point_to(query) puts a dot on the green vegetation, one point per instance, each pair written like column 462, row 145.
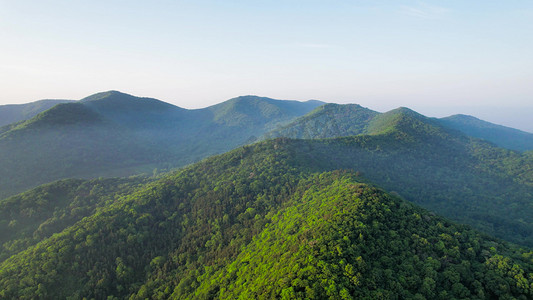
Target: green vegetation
column 465, row 179
column 283, row 218
column 334, row 120
column 345, row 240
column 32, row 216
column 258, row 221
column 327, row 121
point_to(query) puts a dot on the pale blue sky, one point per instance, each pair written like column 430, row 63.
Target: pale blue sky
column 437, row 57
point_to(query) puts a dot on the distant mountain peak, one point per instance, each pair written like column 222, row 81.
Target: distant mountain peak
column 112, row 102
column 500, row 135
column 470, row 120
column 405, row 111
column 327, row 121
column 252, row 110
column 104, row 95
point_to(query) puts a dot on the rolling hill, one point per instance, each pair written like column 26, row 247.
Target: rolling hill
column 267, row 221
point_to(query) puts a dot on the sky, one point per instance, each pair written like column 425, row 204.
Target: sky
column 436, row 57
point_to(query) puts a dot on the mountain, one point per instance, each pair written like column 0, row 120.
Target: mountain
column 12, row 113
column 338, row 120
column 263, row 221
column 329, row 120
column 134, row 112
column 502, row 136
column 37, row 214
column 116, row 134
column 463, row 178
column 68, row 140
column 342, row 120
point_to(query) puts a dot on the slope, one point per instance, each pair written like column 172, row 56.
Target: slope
column 502, row 136
column 261, row 206
column 462, row 178
column 12, row 113
column 346, row 240
column 68, row 140
column 329, row 120
column 242, row 120
column 116, row 134
column 336, row 120
column 134, row 112
column 34, row 215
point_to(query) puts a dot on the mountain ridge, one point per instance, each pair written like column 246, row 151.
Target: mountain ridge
column 502, row 136
column 12, row 113
column 337, row 120
column 136, row 134
column 259, row 221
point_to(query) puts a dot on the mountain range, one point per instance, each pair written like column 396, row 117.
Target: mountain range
column 115, row 134
column 327, row 203
column 258, row 222
column 334, row 120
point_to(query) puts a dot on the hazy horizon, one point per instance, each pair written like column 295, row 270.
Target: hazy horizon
column 438, row 58
column 514, row 117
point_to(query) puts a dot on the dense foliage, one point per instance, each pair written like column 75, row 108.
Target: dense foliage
column 277, row 219
column 465, row 179
column 258, row 221
column 327, row 121
column 334, row 120
column 32, row 216
column 344, row 240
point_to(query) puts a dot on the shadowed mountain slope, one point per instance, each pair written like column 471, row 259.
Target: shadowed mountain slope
column 69, row 140
column 116, row 134
column 12, row 113
column 37, row 214
column 466, row 179
column 502, row 136
column 263, row 222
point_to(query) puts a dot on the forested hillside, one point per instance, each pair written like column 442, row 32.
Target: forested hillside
column 32, row 216
column 336, row 120
column 260, row 222
column 115, row 134
column 465, row 179
column 327, row 121
column 333, row 216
